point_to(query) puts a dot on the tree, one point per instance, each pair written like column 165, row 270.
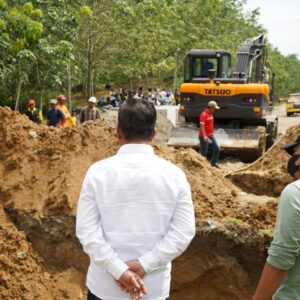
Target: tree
column 21, row 28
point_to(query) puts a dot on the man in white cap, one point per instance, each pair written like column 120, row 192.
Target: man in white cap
column 54, row 115
column 206, row 133
column 89, row 112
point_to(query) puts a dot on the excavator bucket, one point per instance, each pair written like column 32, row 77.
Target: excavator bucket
column 228, row 139
column 237, row 139
column 184, row 137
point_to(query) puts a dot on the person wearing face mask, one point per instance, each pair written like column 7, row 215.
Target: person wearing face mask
column 280, row 279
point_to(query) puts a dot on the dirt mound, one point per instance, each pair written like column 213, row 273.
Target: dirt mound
column 42, row 170
column 267, row 175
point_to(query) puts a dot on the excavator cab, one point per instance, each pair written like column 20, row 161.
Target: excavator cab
column 199, row 62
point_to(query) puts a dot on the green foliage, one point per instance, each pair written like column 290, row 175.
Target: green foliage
column 118, row 40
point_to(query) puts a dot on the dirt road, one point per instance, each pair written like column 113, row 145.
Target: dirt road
column 284, row 121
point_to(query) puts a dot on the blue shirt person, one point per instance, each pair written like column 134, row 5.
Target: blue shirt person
column 54, row 115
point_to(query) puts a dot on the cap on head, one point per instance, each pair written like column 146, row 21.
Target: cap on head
column 53, row 101
column 31, row 102
column 289, row 148
column 92, row 99
column 213, row 104
column 61, row 97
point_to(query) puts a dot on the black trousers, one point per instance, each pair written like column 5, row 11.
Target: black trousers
column 90, row 296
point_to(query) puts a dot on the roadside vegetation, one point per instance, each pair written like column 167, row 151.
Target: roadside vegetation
column 74, row 46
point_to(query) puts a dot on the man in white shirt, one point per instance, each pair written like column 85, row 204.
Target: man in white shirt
column 135, row 214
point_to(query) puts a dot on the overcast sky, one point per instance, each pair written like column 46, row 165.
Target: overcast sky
column 282, row 20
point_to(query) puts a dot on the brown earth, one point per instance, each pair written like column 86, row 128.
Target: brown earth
column 23, row 274
column 267, row 175
column 42, row 169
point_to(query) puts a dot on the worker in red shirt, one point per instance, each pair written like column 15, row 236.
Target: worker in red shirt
column 206, row 132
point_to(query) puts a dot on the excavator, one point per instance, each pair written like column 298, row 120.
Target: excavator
column 244, row 123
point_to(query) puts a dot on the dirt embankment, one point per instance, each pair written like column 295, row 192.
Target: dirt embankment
column 268, row 175
column 42, row 170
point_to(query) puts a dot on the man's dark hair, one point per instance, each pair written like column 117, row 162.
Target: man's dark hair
column 137, row 119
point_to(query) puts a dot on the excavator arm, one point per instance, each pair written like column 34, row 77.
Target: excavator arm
column 251, row 51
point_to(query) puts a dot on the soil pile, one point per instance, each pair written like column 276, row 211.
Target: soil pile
column 268, row 175
column 42, row 170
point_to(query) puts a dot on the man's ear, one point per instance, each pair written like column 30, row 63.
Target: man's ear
column 119, row 133
column 153, row 134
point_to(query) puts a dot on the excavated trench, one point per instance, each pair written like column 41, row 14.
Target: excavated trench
column 224, row 261
column 221, row 263
column 53, row 238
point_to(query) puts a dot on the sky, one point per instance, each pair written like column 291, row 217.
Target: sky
column 281, row 18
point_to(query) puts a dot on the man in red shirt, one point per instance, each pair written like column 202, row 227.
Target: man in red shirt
column 206, row 132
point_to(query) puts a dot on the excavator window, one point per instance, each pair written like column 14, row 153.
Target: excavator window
column 201, row 65
column 226, row 69
column 221, row 65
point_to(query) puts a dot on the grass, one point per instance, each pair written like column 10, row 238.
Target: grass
column 235, row 221
column 265, row 232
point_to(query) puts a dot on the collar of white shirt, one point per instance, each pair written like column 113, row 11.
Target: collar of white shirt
column 136, row 148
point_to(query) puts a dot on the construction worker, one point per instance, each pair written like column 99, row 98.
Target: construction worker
column 89, row 112
column 33, row 113
column 61, row 106
column 55, row 116
column 206, row 133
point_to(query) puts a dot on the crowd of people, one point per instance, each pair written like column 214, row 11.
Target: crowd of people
column 154, row 95
column 59, row 115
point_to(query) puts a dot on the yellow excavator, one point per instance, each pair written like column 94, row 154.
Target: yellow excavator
column 244, row 123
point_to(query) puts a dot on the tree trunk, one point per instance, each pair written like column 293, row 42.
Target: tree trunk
column 131, row 85
column 41, row 98
column 18, row 93
column 40, row 85
column 160, row 78
column 92, row 86
column 90, row 63
column 69, row 86
column 147, row 80
column 175, row 73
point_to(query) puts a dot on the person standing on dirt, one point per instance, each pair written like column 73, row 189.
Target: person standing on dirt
column 280, row 279
column 206, row 133
column 33, row 113
column 135, row 213
column 61, row 106
column 55, row 116
column 90, row 112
